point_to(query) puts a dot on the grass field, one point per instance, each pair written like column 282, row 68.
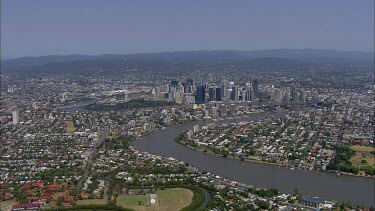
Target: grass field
column 133, row 200
column 181, row 198
column 329, row 151
column 69, row 126
column 362, row 148
column 90, row 201
column 167, row 200
column 359, row 156
column 363, row 153
column 4, row 204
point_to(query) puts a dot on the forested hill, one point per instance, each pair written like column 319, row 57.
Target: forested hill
column 270, row 59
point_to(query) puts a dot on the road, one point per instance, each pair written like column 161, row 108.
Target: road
column 344, row 120
column 106, row 197
column 207, row 199
column 95, row 150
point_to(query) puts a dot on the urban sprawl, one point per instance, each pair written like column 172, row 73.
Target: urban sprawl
column 66, row 139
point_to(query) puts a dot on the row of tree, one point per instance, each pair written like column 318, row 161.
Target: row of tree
column 135, row 103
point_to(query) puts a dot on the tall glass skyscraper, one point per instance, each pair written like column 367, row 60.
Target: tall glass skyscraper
column 256, row 87
column 200, row 97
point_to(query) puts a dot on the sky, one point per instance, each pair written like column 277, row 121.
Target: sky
column 47, row 27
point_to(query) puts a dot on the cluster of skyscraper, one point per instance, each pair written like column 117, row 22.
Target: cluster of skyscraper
column 225, row 91
column 189, row 92
column 288, row 95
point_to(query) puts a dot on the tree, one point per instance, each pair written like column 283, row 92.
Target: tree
column 115, row 195
column 262, row 204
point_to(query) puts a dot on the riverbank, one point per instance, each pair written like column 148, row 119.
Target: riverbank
column 231, row 157
column 322, row 184
column 248, row 160
column 271, row 164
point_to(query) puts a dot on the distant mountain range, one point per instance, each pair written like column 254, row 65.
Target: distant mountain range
column 274, row 58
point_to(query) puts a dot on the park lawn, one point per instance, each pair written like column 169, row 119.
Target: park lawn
column 133, row 201
column 4, row 204
column 362, row 148
column 69, row 126
column 182, row 197
column 359, row 156
column 91, row 201
column 329, row 151
column 167, row 200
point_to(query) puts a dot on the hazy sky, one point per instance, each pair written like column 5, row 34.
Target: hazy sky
column 44, row 27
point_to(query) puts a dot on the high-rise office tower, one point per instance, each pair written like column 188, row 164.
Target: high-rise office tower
column 190, row 82
column 231, row 84
column 249, row 96
column 278, row 95
column 218, row 94
column 181, row 88
column 200, row 97
column 295, row 96
column 235, row 89
column 224, row 92
column 234, row 94
column 287, row 95
column 174, row 83
column 256, row 87
column 172, row 93
column 243, row 95
column 184, row 85
column 314, row 96
column 223, row 110
column 212, row 93
column 170, row 97
column 189, row 89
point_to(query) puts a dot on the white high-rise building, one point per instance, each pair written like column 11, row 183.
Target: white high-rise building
column 295, row 96
column 15, row 117
column 287, row 95
column 189, row 99
column 214, row 113
column 303, row 96
column 126, row 96
column 10, row 89
column 206, row 113
column 279, row 95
